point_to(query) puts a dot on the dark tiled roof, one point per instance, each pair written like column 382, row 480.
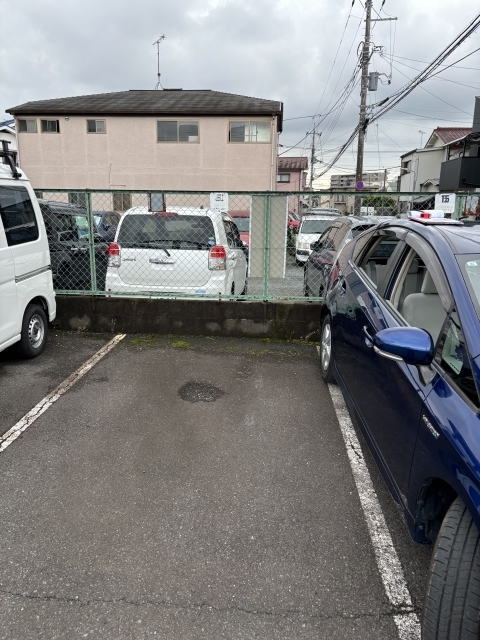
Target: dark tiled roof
column 139, row 102
column 293, row 163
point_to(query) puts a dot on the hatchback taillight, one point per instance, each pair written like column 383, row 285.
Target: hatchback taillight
column 114, row 255
column 217, row 258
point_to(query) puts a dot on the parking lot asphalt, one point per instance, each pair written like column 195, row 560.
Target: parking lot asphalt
column 186, row 488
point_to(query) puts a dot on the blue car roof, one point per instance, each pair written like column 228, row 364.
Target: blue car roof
column 460, row 239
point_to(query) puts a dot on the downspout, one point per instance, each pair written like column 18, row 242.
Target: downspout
column 273, row 168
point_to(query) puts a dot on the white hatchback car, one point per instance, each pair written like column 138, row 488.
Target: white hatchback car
column 311, row 228
column 27, row 299
column 182, row 250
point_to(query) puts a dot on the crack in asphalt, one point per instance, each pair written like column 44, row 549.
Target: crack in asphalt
column 393, row 611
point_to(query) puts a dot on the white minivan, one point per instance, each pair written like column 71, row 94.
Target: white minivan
column 183, row 250
column 27, row 299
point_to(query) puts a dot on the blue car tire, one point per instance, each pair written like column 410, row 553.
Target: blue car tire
column 452, row 599
column 326, row 344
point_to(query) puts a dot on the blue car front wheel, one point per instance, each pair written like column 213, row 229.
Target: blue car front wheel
column 452, row 599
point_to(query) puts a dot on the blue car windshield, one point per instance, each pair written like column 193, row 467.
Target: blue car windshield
column 470, row 266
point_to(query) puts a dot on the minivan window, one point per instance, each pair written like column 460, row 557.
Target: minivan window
column 167, row 230
column 18, row 215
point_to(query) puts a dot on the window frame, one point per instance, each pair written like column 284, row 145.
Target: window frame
column 280, row 175
column 178, row 123
column 45, row 131
column 437, row 359
column 123, row 195
column 249, row 141
column 26, row 120
column 396, row 256
column 96, row 120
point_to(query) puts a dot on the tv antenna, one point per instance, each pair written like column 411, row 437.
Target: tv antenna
column 157, row 42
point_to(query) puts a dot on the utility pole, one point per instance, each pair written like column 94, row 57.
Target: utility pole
column 312, row 157
column 363, row 98
column 312, row 162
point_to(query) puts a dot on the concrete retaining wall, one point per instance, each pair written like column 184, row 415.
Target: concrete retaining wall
column 281, row 320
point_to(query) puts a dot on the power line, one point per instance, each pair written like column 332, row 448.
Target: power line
column 399, row 95
column 433, row 75
column 427, row 117
column 423, row 89
column 446, row 66
column 335, row 58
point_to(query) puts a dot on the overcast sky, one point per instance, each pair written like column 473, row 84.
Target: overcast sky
column 274, row 49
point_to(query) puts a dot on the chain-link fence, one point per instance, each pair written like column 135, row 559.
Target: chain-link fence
column 222, row 246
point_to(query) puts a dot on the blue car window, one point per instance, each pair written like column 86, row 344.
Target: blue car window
column 452, row 356
column 376, row 263
column 360, row 246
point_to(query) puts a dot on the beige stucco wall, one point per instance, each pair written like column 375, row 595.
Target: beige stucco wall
column 128, row 156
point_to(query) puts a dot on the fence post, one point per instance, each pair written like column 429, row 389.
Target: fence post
column 91, row 242
column 459, row 206
column 266, row 243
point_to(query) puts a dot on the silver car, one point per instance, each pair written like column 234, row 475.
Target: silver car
column 180, row 251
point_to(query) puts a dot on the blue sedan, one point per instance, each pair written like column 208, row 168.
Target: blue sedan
column 400, row 335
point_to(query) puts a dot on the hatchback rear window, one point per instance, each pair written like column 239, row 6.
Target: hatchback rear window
column 175, row 231
column 243, row 224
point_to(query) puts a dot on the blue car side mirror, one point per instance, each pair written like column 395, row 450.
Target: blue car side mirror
column 407, row 344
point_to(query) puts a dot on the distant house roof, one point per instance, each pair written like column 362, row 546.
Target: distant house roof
column 293, row 163
column 448, row 134
column 433, row 181
column 150, row 102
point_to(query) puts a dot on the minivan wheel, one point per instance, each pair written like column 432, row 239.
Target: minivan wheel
column 34, row 332
column 326, row 344
column 451, row 608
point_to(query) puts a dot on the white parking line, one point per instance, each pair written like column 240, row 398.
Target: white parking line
column 29, row 418
column 389, row 566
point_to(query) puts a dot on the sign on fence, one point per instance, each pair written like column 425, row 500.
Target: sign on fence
column 219, row 202
column 445, row 202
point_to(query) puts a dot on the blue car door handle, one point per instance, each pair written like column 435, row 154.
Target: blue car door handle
column 368, row 337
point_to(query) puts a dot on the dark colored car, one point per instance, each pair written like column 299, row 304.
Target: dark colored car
column 107, row 223
column 325, row 251
column 242, row 220
column 67, row 232
column 401, row 336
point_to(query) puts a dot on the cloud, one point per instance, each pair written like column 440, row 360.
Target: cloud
column 274, row 49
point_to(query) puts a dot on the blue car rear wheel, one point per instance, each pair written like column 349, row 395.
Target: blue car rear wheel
column 326, row 344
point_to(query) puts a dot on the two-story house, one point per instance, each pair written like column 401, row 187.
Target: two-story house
column 169, row 139
column 292, row 176
column 420, row 168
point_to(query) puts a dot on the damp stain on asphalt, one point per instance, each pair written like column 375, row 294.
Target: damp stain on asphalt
column 200, row 392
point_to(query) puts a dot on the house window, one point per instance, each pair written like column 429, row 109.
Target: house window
column 96, row 126
column 248, row 131
column 28, row 126
column 50, row 126
column 173, row 131
column 283, row 177
column 78, row 198
column 122, row 201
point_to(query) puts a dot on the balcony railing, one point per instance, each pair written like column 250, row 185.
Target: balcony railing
column 461, row 173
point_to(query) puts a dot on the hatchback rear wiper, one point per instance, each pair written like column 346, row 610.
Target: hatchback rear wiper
column 197, row 244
